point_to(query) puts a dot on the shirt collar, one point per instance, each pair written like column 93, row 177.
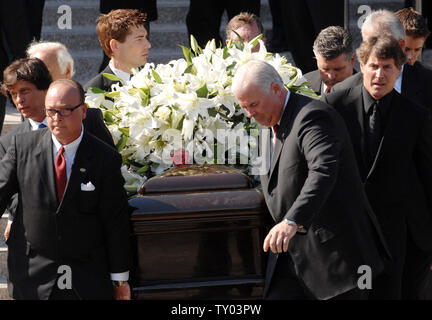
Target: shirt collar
column 120, row 73
column 398, row 83
column 35, row 124
column 385, row 102
column 285, row 104
column 70, row 147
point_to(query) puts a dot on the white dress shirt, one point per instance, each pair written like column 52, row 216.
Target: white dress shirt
column 69, row 154
column 120, row 73
column 35, row 124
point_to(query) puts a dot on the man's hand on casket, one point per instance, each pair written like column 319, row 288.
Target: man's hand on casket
column 279, row 236
column 122, row 291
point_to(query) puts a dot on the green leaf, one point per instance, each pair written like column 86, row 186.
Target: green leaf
column 194, row 45
column 125, row 131
column 97, row 90
column 121, row 143
column 143, row 170
column 108, row 116
column 113, row 94
column 225, row 52
column 111, row 77
column 157, row 78
column 202, row 92
column 191, row 69
column 187, row 54
column 254, row 41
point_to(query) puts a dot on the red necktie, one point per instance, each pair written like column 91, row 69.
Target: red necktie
column 60, row 172
column 328, row 90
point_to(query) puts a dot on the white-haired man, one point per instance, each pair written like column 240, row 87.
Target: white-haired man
column 56, row 57
column 312, row 187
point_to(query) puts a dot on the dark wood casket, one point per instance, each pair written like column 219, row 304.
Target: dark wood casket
column 198, row 234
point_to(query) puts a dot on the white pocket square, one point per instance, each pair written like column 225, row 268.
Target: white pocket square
column 87, row 187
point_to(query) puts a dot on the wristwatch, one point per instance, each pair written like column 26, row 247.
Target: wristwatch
column 300, row 228
column 117, row 284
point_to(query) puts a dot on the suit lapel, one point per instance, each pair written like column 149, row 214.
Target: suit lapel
column 78, row 173
column 45, row 162
column 284, row 129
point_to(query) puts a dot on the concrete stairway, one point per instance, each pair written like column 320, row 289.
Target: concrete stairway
column 166, row 33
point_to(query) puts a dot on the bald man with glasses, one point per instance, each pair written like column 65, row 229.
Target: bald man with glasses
column 73, row 212
column 25, row 83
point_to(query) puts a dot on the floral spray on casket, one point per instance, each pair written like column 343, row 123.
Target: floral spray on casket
column 184, row 112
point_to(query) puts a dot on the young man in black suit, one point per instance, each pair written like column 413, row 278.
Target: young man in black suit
column 392, row 139
column 72, row 219
column 324, row 227
column 334, row 53
column 124, row 40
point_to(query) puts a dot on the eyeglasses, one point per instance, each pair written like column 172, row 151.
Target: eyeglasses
column 64, row 112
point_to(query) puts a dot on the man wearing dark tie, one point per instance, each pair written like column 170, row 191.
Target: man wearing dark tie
column 324, row 227
column 392, row 139
column 72, row 219
column 334, row 53
column 414, row 81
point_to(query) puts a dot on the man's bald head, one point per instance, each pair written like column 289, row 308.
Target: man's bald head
column 65, row 109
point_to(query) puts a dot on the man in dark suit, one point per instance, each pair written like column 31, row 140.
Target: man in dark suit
column 414, row 81
column 72, row 213
column 334, row 53
column 14, row 37
column 392, row 139
column 325, row 229
column 148, row 7
column 127, row 47
column 25, row 83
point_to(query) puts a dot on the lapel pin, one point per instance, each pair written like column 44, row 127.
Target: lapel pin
column 82, row 169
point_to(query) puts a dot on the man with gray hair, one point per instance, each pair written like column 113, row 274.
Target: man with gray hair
column 415, row 81
column 334, row 53
column 55, row 56
column 324, row 228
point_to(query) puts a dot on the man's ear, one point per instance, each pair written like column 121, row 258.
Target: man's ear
column 402, row 43
column 352, row 60
column 85, row 107
column 68, row 73
column 361, row 67
column 113, row 43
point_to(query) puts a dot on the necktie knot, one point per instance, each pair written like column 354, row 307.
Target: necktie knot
column 275, row 129
column 41, row 126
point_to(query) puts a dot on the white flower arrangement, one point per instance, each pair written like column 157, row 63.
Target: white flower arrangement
column 172, row 114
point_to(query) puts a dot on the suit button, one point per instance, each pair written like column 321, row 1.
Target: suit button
column 59, row 238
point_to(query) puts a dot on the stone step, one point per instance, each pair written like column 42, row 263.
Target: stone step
column 86, row 12
column 4, row 295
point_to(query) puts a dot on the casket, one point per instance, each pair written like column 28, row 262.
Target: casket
column 198, row 234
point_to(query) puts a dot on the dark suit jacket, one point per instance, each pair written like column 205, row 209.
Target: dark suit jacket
column 399, row 184
column 93, row 123
column 100, row 81
column 416, row 84
column 314, row 77
column 314, row 181
column 88, row 231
